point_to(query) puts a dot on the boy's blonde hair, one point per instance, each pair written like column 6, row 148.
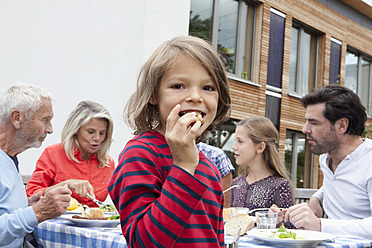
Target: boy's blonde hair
column 81, row 115
column 142, row 116
column 261, row 129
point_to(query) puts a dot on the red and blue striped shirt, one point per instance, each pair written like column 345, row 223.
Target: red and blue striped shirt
column 162, row 205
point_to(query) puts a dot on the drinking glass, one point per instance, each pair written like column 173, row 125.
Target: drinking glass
column 266, row 220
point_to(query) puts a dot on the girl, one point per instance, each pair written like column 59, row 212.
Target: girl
column 167, row 193
column 262, row 179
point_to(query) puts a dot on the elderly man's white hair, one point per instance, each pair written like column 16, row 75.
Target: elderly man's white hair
column 23, row 97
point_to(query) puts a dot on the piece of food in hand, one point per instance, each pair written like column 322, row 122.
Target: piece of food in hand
column 93, row 213
column 199, row 116
column 238, row 222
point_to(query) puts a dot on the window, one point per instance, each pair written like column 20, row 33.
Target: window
column 358, row 76
column 334, row 65
column 297, row 161
column 229, row 26
column 272, row 107
column 274, row 67
column 303, row 60
column 276, row 41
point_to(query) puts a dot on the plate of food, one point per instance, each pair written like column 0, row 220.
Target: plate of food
column 93, row 217
column 290, row 237
column 77, row 208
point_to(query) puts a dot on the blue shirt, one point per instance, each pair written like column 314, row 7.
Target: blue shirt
column 218, row 158
column 16, row 217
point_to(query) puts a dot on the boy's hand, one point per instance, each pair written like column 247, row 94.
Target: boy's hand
column 181, row 136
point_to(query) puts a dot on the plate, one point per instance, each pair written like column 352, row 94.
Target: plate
column 91, row 223
column 78, row 211
column 72, row 212
column 311, row 238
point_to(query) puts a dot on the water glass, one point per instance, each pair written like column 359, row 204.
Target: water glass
column 266, row 220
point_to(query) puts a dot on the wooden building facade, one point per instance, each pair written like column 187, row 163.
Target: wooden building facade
column 276, row 51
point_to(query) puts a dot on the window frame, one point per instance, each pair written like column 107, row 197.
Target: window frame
column 302, row 28
column 362, row 56
column 307, row 167
column 332, row 57
column 275, row 62
column 240, row 38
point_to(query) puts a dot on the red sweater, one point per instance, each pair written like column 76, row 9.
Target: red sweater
column 162, row 205
column 54, row 167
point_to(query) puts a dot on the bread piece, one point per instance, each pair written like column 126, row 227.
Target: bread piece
column 227, row 212
column 199, row 117
column 85, row 213
column 97, row 213
column 239, row 221
column 93, row 213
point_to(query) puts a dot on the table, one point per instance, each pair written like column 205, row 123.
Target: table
column 62, row 233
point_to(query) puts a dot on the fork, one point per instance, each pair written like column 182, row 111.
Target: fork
column 100, row 204
column 230, row 188
column 264, row 209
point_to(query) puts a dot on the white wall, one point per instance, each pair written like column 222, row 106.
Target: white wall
column 83, row 49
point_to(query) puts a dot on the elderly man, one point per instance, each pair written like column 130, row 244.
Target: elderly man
column 25, row 120
column 335, row 119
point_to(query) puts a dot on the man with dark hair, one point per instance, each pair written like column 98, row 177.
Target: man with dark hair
column 25, row 120
column 335, row 119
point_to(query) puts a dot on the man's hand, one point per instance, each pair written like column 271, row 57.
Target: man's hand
column 303, row 217
column 316, row 207
column 274, row 208
column 34, row 198
column 54, row 203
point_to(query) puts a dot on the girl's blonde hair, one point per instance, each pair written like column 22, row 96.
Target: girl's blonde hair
column 81, row 115
column 142, row 116
column 261, row 129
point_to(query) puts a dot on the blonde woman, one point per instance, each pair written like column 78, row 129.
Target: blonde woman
column 81, row 160
column 262, row 179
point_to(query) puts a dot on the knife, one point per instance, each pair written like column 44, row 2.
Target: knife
column 236, row 238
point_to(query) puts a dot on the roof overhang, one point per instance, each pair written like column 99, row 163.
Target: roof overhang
column 362, row 6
